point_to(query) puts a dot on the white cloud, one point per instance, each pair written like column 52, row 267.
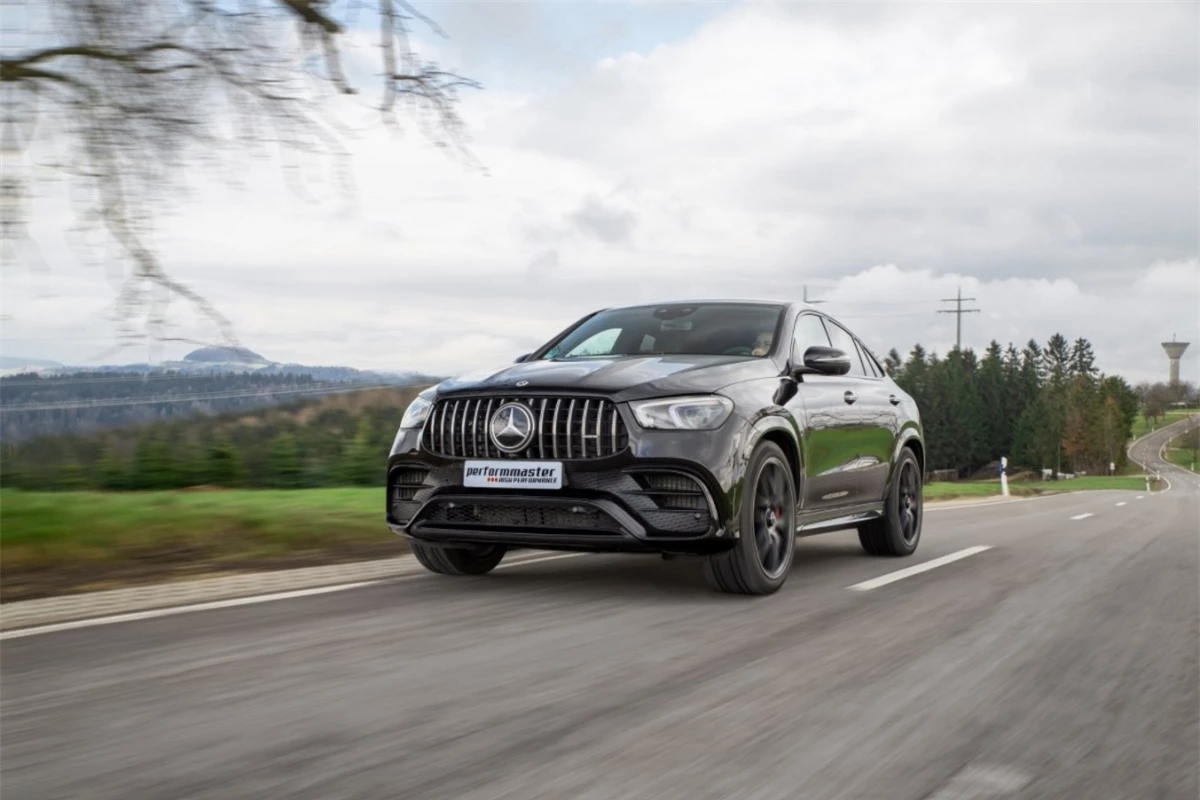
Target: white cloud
column 1042, row 156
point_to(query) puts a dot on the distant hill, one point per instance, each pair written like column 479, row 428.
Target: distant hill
column 47, row 404
column 12, row 365
column 232, row 355
column 210, row 361
column 334, row 440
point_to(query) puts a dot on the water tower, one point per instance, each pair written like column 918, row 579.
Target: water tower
column 1175, row 352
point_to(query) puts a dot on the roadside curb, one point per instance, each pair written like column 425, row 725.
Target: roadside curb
column 25, row 613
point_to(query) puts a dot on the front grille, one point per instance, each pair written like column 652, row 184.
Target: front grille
column 566, row 428
column 525, row 517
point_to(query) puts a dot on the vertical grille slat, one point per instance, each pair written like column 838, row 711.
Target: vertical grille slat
column 445, row 416
column 542, row 427
column 588, row 427
column 487, row 415
column 570, row 419
column 583, row 426
column 466, row 410
column 554, row 426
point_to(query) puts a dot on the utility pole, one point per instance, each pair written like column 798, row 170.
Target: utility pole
column 958, row 311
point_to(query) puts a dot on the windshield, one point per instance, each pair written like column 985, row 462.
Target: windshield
column 681, row 329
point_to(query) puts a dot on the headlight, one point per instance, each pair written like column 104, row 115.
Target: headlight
column 684, row 413
column 416, row 413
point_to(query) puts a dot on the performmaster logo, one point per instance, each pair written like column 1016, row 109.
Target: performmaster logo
column 519, row 475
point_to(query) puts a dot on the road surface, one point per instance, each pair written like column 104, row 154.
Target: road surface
column 1061, row 661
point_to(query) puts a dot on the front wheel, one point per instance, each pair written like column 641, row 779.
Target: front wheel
column 472, row 560
column 899, row 530
column 762, row 557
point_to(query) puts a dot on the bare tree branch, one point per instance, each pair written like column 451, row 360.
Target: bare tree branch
column 138, row 91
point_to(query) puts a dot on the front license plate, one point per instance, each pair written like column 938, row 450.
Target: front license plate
column 513, row 474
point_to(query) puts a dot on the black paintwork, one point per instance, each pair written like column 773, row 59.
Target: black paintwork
column 843, row 434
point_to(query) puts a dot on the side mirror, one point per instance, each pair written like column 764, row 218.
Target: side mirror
column 522, row 358
column 823, row 361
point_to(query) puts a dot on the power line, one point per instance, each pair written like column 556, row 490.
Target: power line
column 185, row 398
column 958, row 312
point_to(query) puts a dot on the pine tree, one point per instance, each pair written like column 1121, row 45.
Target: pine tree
column 893, row 363
column 995, row 423
column 111, row 472
column 285, row 466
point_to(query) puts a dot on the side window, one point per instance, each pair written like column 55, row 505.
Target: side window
column 845, row 342
column 810, row 332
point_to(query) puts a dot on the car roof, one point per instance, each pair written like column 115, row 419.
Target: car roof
column 740, row 301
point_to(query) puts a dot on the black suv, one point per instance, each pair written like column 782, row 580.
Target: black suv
column 715, row 428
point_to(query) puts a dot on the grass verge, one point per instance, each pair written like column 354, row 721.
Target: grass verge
column 950, row 491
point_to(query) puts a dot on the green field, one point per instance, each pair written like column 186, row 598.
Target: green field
column 946, row 491
column 1141, row 425
column 55, row 542
column 1180, row 452
column 50, row 541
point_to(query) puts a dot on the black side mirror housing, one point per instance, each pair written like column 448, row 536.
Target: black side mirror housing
column 823, row 361
column 522, row 358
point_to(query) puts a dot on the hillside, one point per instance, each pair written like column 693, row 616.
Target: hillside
column 335, row 440
column 36, row 405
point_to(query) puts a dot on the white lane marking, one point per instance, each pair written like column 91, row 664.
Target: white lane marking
column 908, row 572
column 233, row 602
column 983, row 782
column 1083, row 516
column 1140, row 497
column 1121, row 503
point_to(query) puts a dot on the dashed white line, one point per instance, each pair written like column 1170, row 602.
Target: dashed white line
column 1121, row 503
column 1083, row 516
column 1140, row 497
column 908, row 572
column 233, row 602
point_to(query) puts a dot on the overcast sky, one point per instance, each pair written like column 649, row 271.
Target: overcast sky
column 1042, row 157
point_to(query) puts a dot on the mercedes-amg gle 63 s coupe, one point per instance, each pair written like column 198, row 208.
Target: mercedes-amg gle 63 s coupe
column 717, row 429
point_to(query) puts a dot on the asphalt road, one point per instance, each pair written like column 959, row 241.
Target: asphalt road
column 1060, row 663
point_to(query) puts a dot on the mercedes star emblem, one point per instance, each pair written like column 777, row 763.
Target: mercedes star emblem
column 511, row 427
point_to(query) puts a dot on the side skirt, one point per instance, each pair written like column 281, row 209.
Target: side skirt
column 811, row 524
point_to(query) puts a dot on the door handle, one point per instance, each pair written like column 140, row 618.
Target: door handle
column 894, row 400
column 850, row 396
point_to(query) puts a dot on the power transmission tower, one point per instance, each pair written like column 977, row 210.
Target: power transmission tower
column 958, row 311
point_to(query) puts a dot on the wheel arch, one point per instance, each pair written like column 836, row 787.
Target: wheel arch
column 909, row 439
column 780, row 431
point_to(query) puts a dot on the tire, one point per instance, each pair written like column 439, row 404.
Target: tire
column 898, row 532
column 767, row 526
column 476, row 560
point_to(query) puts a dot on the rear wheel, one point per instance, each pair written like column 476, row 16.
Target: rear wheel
column 898, row 532
column 762, row 557
column 466, row 560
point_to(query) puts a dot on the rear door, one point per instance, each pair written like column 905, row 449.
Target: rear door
column 876, row 419
column 828, row 423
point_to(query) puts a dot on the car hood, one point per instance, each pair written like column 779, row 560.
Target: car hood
column 622, row 377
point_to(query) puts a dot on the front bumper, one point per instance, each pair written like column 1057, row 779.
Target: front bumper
column 611, row 504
